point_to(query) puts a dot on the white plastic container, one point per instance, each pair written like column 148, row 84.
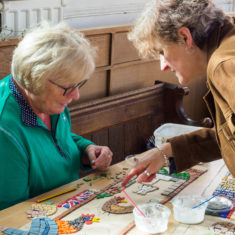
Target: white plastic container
column 169, row 130
column 156, row 219
column 183, row 212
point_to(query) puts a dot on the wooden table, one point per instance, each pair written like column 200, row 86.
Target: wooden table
column 111, row 224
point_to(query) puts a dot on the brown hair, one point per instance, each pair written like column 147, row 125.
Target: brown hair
column 161, row 19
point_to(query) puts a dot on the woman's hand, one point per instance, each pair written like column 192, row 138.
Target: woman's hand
column 147, row 167
column 100, row 156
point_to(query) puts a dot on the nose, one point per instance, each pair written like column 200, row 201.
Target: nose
column 163, row 65
column 75, row 95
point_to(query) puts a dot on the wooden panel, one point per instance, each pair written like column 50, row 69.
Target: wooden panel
column 123, row 49
column 95, row 88
column 136, row 134
column 106, row 29
column 5, row 60
column 100, row 137
column 117, row 142
column 158, row 120
column 103, row 44
column 132, row 77
column 115, row 110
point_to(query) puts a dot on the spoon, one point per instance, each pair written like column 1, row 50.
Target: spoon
column 209, row 199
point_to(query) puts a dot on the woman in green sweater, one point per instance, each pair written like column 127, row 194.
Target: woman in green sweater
column 38, row 152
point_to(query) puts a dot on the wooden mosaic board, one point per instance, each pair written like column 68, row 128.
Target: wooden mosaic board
column 110, row 221
column 113, row 224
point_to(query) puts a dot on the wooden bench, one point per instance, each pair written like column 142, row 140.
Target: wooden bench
column 125, row 122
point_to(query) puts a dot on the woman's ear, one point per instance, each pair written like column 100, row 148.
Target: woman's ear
column 185, row 36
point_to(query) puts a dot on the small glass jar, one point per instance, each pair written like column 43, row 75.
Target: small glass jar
column 155, row 220
column 183, row 212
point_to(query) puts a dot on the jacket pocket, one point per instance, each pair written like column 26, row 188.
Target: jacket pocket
column 231, row 122
column 226, row 136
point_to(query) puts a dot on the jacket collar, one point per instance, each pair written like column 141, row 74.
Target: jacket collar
column 216, row 37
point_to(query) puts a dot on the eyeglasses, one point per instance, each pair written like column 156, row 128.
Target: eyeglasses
column 69, row 90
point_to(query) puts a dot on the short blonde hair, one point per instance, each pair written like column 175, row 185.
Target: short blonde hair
column 58, row 53
column 161, row 19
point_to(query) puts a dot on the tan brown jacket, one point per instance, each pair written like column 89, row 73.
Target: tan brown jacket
column 210, row 144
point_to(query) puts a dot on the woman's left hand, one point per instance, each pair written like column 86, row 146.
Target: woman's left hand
column 100, row 156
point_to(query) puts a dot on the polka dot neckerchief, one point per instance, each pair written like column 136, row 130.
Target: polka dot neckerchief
column 28, row 116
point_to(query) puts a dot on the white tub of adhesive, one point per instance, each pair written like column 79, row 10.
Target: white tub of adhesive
column 183, row 212
column 156, row 219
column 169, row 130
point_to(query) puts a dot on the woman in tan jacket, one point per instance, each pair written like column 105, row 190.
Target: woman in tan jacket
column 194, row 39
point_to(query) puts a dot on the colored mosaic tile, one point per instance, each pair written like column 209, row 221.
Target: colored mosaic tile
column 39, row 226
column 39, row 210
column 77, row 199
column 163, row 171
column 181, row 175
column 73, row 226
column 87, row 179
column 112, row 206
column 110, row 192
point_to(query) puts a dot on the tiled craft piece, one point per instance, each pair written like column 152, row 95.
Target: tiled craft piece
column 77, row 199
column 228, row 185
column 224, row 228
column 113, row 206
column 39, row 210
column 39, row 226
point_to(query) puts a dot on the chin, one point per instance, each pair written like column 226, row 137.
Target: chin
column 57, row 111
column 60, row 111
column 182, row 80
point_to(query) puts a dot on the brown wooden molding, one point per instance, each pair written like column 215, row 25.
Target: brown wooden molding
column 175, row 94
column 110, row 111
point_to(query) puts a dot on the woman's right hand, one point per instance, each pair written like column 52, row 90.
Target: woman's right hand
column 147, row 167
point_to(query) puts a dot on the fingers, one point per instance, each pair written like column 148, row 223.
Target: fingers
column 132, row 173
column 144, row 174
column 104, row 158
column 143, row 177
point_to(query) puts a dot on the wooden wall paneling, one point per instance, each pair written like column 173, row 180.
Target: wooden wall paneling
column 132, row 144
column 174, row 110
column 100, row 137
column 106, row 29
column 102, row 44
column 129, row 77
column 158, row 120
column 6, row 50
column 95, row 88
column 117, row 142
column 146, row 128
column 115, row 110
column 137, row 133
column 109, row 70
column 123, row 49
